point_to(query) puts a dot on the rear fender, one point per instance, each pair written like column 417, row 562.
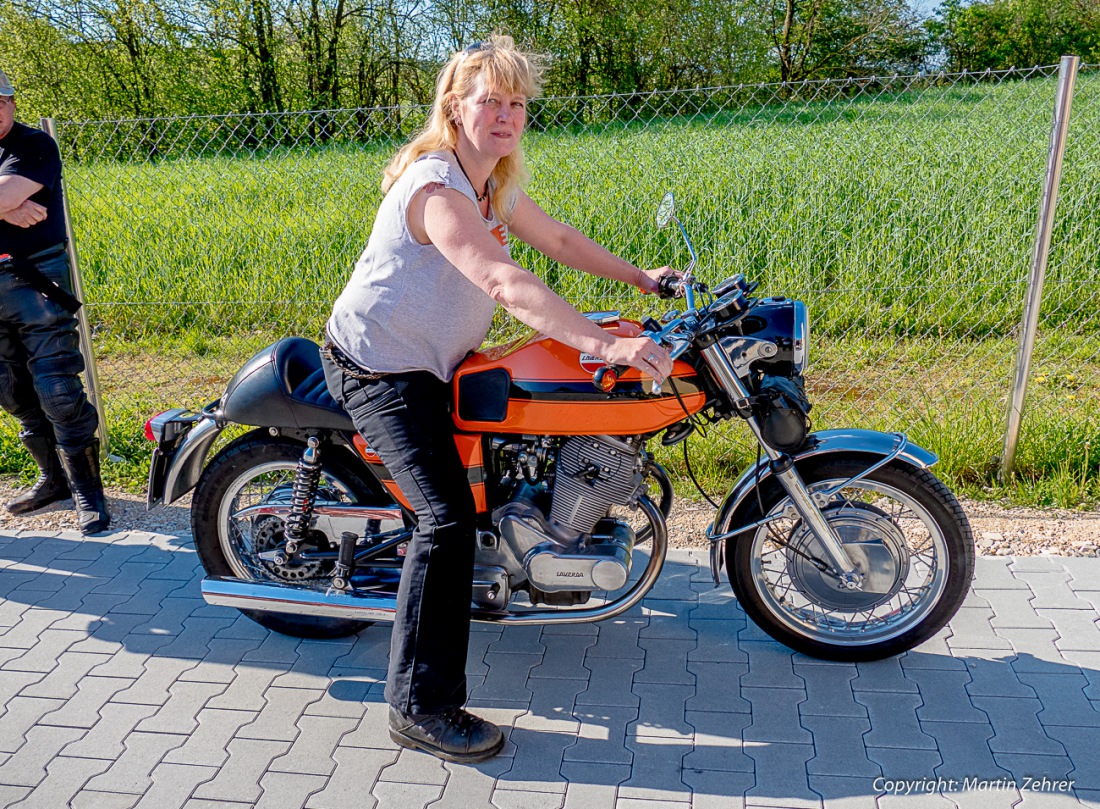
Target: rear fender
column 878, row 448
column 186, row 464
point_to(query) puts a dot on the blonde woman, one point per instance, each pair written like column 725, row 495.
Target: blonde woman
column 421, row 297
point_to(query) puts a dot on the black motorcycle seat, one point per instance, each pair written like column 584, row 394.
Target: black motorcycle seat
column 283, row 385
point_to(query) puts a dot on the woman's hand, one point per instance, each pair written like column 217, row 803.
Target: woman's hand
column 649, row 279
column 641, row 353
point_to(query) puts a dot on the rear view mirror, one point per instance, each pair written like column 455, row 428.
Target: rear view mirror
column 665, row 210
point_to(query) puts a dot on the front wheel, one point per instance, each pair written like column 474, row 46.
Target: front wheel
column 258, row 469
column 903, row 529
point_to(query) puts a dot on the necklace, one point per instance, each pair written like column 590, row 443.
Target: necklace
column 480, row 197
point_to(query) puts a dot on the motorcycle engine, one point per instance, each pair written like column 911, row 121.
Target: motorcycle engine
column 593, row 474
column 576, row 548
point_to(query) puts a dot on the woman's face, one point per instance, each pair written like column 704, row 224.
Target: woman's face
column 491, row 121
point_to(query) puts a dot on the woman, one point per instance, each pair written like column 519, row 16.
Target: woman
column 421, row 297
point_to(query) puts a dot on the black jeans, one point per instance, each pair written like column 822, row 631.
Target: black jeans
column 40, row 361
column 406, row 419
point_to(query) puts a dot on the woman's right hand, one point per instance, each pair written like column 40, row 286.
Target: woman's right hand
column 641, row 353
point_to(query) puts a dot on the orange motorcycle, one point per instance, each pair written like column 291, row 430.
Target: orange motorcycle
column 839, row 543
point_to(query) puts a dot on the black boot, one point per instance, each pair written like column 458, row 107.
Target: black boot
column 51, row 485
column 452, row 736
column 82, row 468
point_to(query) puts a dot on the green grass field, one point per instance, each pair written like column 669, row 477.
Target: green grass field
column 906, row 223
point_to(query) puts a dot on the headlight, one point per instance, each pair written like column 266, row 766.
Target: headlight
column 786, row 324
column 801, row 347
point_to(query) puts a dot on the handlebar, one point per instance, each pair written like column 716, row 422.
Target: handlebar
column 679, row 331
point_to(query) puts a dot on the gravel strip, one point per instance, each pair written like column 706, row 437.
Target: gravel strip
column 998, row 531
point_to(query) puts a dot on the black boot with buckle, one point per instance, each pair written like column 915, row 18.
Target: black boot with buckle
column 51, row 485
column 456, row 735
column 82, row 469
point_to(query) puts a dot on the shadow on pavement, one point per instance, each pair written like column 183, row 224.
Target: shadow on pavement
column 677, row 702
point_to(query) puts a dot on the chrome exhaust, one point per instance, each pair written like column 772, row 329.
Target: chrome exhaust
column 269, row 596
column 298, row 599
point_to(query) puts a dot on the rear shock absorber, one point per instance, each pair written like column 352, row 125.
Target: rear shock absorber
column 302, row 498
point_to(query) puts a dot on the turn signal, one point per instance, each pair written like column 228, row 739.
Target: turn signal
column 605, row 379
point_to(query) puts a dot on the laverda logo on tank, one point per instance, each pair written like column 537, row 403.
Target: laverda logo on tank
column 591, row 363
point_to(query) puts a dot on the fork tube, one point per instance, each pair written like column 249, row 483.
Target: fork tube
column 783, row 468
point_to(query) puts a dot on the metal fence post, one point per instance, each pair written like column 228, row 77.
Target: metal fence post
column 91, row 374
column 1067, row 77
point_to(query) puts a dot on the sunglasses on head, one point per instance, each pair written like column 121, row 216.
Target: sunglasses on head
column 477, row 46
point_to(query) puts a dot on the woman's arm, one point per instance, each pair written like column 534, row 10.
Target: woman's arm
column 452, row 224
column 567, row 245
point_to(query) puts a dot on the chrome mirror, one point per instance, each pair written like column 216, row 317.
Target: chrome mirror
column 665, row 210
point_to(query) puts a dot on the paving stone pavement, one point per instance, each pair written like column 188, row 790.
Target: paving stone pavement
column 120, row 687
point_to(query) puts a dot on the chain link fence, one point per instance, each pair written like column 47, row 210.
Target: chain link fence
column 902, row 209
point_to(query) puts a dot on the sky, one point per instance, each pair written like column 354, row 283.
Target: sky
column 924, row 7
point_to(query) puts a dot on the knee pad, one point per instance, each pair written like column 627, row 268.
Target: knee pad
column 62, row 397
column 59, row 355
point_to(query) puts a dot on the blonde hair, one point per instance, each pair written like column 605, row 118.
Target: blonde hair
column 506, row 70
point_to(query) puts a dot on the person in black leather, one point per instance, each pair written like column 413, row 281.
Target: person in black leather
column 40, row 359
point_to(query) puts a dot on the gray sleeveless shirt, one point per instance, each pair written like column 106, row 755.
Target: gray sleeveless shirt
column 406, row 308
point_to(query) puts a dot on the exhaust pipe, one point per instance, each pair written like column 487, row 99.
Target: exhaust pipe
column 268, row 596
column 298, row 599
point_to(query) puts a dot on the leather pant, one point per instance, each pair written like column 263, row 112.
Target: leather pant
column 40, row 361
column 406, row 419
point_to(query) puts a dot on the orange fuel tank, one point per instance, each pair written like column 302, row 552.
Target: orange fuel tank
column 538, row 386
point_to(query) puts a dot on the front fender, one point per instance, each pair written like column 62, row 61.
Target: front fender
column 187, row 462
column 874, row 445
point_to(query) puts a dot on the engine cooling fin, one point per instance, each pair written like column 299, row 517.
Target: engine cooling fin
column 593, row 473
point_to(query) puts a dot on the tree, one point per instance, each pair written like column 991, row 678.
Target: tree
column 842, row 38
column 247, row 32
column 998, row 34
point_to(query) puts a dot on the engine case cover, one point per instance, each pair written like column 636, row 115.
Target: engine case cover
column 491, row 589
column 603, row 565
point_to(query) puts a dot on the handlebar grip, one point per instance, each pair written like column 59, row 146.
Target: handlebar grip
column 670, row 286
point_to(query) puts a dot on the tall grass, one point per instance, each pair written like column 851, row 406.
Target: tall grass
column 905, row 221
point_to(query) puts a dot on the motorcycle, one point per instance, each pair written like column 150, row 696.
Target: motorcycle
column 840, row 544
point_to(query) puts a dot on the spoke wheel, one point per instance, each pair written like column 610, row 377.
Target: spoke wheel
column 903, row 530
column 258, row 470
column 243, row 538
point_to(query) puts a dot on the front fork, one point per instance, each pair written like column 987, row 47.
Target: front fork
column 783, row 468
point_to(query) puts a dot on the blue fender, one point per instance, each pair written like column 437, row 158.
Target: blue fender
column 875, row 446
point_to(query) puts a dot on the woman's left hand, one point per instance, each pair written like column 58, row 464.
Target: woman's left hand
column 648, row 286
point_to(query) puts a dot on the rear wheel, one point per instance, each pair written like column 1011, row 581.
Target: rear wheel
column 903, row 529
column 258, row 469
